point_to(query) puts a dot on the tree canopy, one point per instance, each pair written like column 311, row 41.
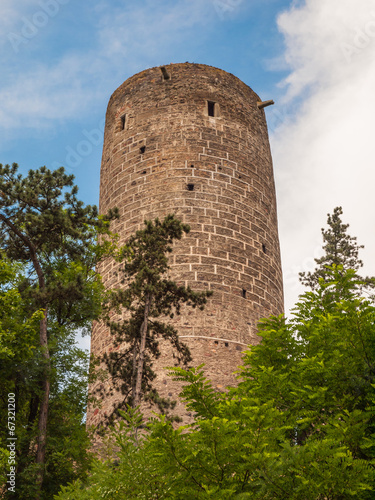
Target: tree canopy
column 300, row 424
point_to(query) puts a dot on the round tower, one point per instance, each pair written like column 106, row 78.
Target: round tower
column 192, row 140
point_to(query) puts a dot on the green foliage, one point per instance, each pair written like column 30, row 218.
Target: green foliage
column 20, row 371
column 18, row 332
column 148, row 298
column 39, row 204
column 18, row 342
column 300, row 424
column 45, row 226
column 52, row 237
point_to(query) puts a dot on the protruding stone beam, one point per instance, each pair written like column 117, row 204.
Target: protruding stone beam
column 264, row 104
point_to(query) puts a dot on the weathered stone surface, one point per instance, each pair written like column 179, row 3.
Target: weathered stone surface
column 214, row 173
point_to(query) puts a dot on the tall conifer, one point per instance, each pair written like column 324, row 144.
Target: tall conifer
column 149, row 297
column 340, row 249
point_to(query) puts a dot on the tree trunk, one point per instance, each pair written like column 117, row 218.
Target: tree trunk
column 25, row 449
column 134, row 371
column 144, row 327
column 43, row 338
column 43, row 410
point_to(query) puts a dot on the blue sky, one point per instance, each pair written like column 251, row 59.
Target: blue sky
column 62, row 59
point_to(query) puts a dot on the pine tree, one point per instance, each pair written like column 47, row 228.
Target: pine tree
column 340, row 249
column 147, row 296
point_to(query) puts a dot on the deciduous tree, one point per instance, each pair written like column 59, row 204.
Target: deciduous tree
column 45, row 226
column 300, row 425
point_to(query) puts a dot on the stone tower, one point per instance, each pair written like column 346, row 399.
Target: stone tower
column 192, row 140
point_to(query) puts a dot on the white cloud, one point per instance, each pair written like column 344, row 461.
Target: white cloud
column 21, row 21
column 324, row 155
column 123, row 42
column 45, row 93
column 325, row 41
column 11, row 12
column 34, row 92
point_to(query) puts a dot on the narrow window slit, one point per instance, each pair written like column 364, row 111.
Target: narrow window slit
column 142, row 149
column 244, row 293
column 211, row 108
column 264, row 248
column 165, row 73
column 190, row 187
column 122, row 122
column 226, row 344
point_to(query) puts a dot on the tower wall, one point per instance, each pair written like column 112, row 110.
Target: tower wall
column 163, row 154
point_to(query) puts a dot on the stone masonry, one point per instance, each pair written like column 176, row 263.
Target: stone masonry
column 191, row 139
